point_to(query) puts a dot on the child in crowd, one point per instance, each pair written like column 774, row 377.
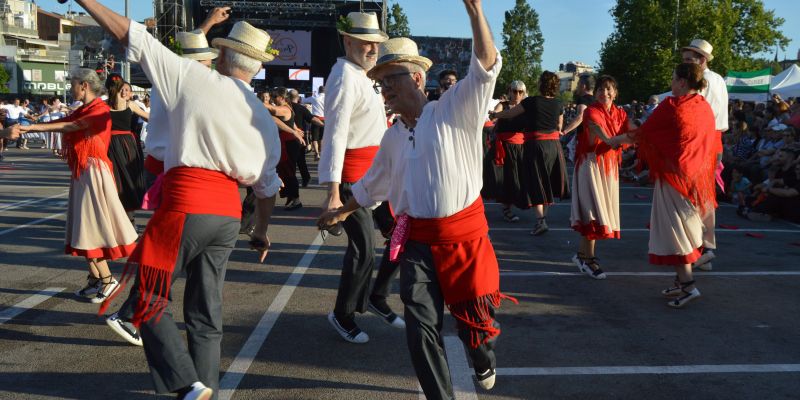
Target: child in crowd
column 740, row 190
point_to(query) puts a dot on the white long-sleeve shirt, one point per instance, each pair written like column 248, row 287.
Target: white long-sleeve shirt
column 716, row 94
column 435, row 170
column 157, row 139
column 317, row 104
column 214, row 121
column 354, row 117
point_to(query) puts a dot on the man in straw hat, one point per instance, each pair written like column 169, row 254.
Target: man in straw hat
column 210, row 151
column 429, row 168
column 716, row 93
column 355, row 123
column 194, row 46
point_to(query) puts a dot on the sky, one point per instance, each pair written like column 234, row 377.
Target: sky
column 573, row 29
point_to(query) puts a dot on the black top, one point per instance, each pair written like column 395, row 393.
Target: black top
column 288, row 121
column 302, row 117
column 542, row 113
column 586, row 100
column 508, row 125
column 121, row 120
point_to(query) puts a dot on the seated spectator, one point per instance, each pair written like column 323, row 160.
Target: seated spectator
column 794, row 117
column 740, row 190
column 780, row 196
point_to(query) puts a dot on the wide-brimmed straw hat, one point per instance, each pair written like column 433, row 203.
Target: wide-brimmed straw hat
column 398, row 50
column 701, row 47
column 194, row 46
column 363, row 26
column 248, row 40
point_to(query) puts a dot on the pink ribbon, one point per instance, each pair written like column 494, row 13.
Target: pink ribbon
column 718, row 176
column 400, row 234
column 152, row 199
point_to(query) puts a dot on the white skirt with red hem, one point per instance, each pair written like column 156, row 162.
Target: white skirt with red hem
column 676, row 229
column 595, row 201
column 97, row 226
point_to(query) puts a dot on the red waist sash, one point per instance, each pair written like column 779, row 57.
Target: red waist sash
column 153, row 165
column 357, row 162
column 466, row 267
column 115, row 133
column 555, row 135
column 507, row 137
column 185, row 191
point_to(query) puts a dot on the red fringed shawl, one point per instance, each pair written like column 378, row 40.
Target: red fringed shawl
column 466, row 267
column 90, row 142
column 185, row 190
column 613, row 122
column 680, row 144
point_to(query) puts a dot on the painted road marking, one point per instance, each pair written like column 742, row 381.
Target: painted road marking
column 25, row 305
column 460, row 372
column 34, row 223
column 33, row 201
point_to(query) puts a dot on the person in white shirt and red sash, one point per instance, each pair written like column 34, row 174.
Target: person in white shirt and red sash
column 355, row 123
column 211, row 150
column 429, row 168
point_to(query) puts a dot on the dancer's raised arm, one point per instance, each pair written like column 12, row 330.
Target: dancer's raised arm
column 113, row 23
column 481, row 34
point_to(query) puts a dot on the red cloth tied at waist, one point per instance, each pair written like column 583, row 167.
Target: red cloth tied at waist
column 153, row 165
column 185, row 190
column 115, row 133
column 488, row 124
column 466, row 267
column 357, row 162
column 555, row 135
column 285, row 137
column 507, row 137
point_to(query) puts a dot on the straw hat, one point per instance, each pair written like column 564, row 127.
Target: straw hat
column 397, row 50
column 701, row 47
column 195, row 46
column 248, row 40
column 362, row 26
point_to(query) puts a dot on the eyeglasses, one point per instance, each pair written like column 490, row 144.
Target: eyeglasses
column 388, row 81
column 518, row 91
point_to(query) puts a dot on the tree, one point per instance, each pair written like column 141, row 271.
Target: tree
column 523, row 46
column 641, row 52
column 4, row 78
column 397, row 22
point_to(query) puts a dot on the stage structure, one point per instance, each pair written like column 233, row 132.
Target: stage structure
column 303, row 30
column 171, row 18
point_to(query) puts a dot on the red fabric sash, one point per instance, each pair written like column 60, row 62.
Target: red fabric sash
column 91, row 141
column 357, row 162
column 613, row 121
column 507, row 137
column 555, row 135
column 153, row 165
column 185, row 191
column 115, row 133
column 680, row 144
column 488, row 124
column 466, row 267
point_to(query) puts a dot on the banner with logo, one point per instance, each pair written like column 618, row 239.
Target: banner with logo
column 294, row 47
column 748, row 82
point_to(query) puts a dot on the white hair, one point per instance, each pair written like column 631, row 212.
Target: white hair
column 242, row 62
column 414, row 68
column 86, row 75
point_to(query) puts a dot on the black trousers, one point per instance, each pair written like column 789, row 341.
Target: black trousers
column 287, row 170
column 424, row 314
column 359, row 261
column 206, row 244
column 302, row 166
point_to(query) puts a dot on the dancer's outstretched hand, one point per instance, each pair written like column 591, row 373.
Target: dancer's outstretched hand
column 261, row 245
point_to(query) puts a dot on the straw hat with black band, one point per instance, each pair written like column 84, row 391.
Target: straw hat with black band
column 194, row 46
column 248, row 40
column 397, row 50
column 701, row 47
column 363, row 26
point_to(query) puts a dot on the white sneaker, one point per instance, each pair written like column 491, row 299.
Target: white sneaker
column 486, row 379
column 106, row 292
column 685, row 299
column 90, row 290
column 354, row 335
column 198, row 392
column 124, row 329
column 705, row 258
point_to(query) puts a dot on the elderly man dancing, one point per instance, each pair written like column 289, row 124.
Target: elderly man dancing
column 210, row 151
column 429, row 168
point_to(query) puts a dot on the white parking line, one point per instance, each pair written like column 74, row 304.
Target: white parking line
column 700, row 273
column 460, row 372
column 28, row 303
column 641, row 369
column 32, row 201
column 623, row 230
column 37, row 222
column 233, row 376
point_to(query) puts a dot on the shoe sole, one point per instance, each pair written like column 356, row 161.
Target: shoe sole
column 681, row 305
column 99, row 299
column 122, row 333
column 205, row 394
column 342, row 333
column 488, row 383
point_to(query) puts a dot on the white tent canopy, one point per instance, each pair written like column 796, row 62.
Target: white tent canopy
column 787, row 83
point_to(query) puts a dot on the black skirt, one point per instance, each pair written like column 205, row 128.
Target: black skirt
column 544, row 175
column 128, row 162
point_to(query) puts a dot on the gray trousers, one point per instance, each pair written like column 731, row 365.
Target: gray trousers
column 359, row 261
column 206, row 244
column 424, row 312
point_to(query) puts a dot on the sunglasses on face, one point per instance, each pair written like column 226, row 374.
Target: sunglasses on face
column 388, row 81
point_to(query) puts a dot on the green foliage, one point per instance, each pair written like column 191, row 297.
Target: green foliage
column 640, row 53
column 4, row 78
column 523, row 45
column 344, row 24
column 397, row 22
column 174, row 45
column 566, row 97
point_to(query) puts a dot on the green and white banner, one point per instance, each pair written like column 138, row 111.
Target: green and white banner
column 748, row 82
